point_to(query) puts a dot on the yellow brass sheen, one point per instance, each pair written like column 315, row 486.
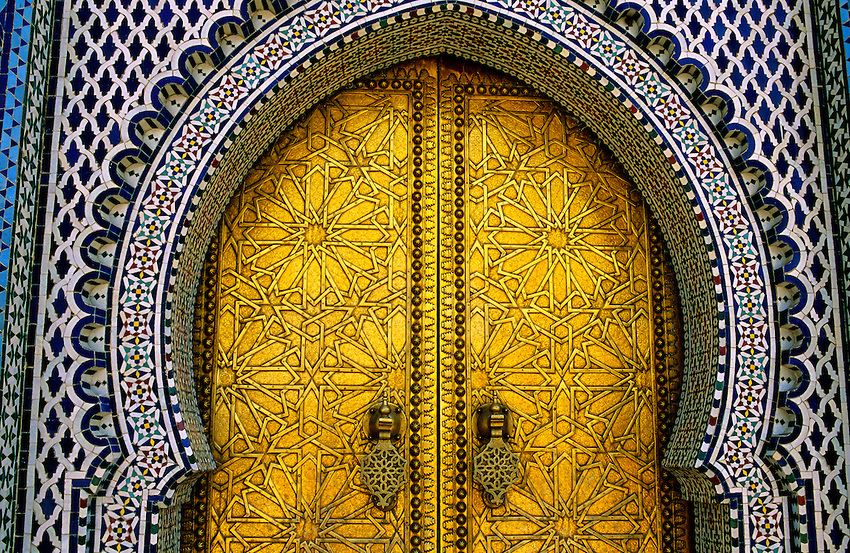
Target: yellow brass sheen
column 558, row 323
column 312, row 329
column 546, row 299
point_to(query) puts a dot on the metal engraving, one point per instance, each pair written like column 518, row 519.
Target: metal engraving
column 319, row 309
column 383, row 473
column 547, row 249
column 383, row 467
column 495, row 471
column 322, row 295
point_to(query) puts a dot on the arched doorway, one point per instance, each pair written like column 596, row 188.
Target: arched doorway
column 441, row 241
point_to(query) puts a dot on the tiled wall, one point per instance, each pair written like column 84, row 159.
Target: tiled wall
column 759, row 54
column 25, row 31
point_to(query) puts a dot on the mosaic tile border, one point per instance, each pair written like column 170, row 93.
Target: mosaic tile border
column 24, row 70
column 14, row 51
column 833, row 46
column 844, row 9
column 704, row 161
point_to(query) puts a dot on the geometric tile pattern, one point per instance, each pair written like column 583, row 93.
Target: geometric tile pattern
column 179, row 171
column 23, row 71
column 132, row 41
column 11, row 24
column 14, row 49
column 834, row 70
column 758, row 51
column 760, row 57
column 844, row 9
column 833, row 46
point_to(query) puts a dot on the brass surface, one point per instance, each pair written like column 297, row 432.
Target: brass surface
column 313, row 316
column 557, row 298
column 495, row 468
column 320, row 295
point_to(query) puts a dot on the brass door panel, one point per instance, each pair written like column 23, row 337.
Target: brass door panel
column 554, row 278
column 319, row 311
column 438, row 237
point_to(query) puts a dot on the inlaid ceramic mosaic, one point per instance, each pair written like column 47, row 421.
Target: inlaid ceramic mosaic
column 110, row 423
column 738, row 469
column 23, row 70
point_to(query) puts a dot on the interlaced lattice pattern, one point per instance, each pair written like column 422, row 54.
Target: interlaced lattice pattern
column 383, row 474
column 759, row 51
column 495, row 469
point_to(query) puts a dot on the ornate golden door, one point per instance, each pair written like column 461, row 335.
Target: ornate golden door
column 437, row 316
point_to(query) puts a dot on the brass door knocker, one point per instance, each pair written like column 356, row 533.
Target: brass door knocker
column 495, row 467
column 383, row 468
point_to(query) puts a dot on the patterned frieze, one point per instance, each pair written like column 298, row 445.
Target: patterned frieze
column 829, row 398
column 24, row 69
